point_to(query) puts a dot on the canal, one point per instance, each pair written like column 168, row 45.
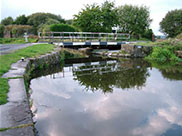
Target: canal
column 107, row 97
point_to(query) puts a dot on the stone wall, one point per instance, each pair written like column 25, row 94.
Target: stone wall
column 41, row 62
column 136, row 51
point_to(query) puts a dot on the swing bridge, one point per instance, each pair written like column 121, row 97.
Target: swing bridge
column 84, row 39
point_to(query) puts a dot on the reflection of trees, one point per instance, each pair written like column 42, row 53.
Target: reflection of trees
column 50, row 69
column 124, row 74
column 172, row 73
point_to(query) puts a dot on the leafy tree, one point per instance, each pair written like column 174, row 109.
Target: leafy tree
column 37, row 19
column 21, row 20
column 51, row 21
column 95, row 18
column 89, row 20
column 1, row 30
column 171, row 24
column 7, row 21
column 133, row 19
column 109, row 16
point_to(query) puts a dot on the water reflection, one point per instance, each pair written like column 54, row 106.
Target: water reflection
column 64, row 108
column 105, row 75
column 172, row 73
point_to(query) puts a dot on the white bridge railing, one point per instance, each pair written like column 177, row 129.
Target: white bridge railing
column 82, row 36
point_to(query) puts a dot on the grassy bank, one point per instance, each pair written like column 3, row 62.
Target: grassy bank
column 164, row 50
column 16, row 40
column 8, row 59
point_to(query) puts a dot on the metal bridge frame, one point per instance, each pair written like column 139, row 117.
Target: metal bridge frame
column 82, row 36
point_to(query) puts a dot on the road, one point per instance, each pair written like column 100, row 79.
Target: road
column 9, row 48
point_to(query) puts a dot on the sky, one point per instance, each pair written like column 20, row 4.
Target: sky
column 67, row 8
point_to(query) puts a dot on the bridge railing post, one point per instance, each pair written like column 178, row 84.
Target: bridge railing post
column 72, row 37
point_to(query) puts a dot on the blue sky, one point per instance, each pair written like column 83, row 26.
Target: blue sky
column 67, row 8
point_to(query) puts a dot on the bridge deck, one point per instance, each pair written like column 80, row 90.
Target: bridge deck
column 86, row 39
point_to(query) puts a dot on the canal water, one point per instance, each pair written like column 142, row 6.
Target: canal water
column 100, row 97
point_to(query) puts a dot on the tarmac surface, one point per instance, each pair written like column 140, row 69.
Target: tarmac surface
column 9, row 48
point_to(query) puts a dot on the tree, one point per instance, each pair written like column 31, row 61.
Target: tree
column 46, row 27
column 95, row 18
column 133, row 19
column 171, row 24
column 7, row 21
column 89, row 20
column 37, row 19
column 109, row 16
column 69, row 21
column 21, row 20
column 1, row 31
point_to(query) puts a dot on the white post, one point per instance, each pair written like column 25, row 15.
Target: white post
column 26, row 37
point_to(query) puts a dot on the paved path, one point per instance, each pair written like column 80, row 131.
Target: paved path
column 16, row 112
column 8, row 48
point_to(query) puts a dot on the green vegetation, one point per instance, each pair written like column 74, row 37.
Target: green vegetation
column 172, row 23
column 163, row 54
column 38, row 19
column 96, row 18
column 169, row 70
column 164, row 50
column 7, row 60
column 134, row 20
column 4, row 87
column 62, row 28
column 21, row 20
column 16, row 40
column 1, row 30
column 7, row 21
column 19, row 126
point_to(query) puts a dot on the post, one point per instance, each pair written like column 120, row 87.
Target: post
column 26, row 37
column 153, row 38
column 99, row 37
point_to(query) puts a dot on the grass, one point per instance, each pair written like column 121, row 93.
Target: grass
column 8, row 59
column 141, row 39
column 16, row 40
column 168, row 42
column 20, row 126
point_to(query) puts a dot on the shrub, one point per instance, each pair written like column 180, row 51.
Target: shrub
column 163, row 54
column 62, row 28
